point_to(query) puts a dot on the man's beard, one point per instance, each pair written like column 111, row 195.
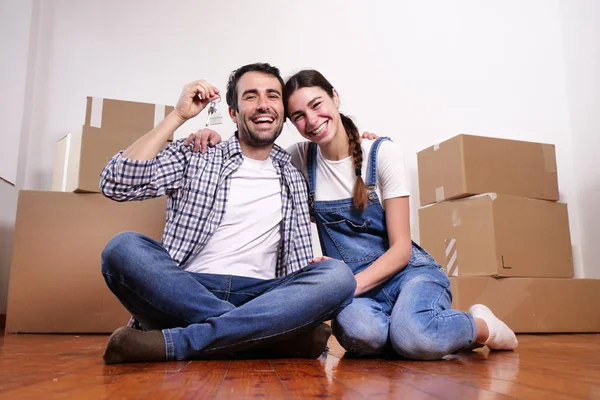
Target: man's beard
column 253, row 139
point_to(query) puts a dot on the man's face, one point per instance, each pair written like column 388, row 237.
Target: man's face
column 260, row 114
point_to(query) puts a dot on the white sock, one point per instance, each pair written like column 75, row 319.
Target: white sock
column 501, row 336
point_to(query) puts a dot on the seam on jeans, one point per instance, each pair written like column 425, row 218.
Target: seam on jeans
column 473, row 327
column 437, row 301
column 148, row 301
column 227, row 288
column 237, row 293
column 169, row 347
column 388, row 298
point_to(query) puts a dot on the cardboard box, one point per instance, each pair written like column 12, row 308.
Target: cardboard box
column 55, row 282
column 533, row 305
column 466, row 165
column 81, row 155
column 498, row 235
column 124, row 116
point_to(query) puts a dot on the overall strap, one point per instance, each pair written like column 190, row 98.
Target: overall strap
column 371, row 180
column 311, row 167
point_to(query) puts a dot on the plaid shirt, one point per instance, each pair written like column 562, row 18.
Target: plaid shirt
column 197, row 186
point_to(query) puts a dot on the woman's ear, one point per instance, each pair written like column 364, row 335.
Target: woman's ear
column 336, row 98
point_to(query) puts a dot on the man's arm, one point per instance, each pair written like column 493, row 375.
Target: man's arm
column 194, row 98
column 126, row 179
column 143, row 170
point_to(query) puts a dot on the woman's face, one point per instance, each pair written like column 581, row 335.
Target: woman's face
column 314, row 114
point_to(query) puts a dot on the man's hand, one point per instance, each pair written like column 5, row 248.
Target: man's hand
column 194, row 98
column 202, row 139
column 369, row 135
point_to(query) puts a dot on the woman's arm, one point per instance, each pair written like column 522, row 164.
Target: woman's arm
column 397, row 218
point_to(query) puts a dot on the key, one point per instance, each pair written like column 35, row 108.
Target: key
column 212, row 108
column 214, row 116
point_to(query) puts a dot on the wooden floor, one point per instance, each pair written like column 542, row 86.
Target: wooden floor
column 70, row 367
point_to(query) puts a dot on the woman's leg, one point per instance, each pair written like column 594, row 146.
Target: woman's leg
column 362, row 327
column 423, row 326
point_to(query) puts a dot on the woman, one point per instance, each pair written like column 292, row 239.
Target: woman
column 402, row 302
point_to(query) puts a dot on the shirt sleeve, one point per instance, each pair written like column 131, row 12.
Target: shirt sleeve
column 391, row 171
column 298, row 152
column 124, row 179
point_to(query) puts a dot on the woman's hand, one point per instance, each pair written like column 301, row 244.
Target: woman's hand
column 202, row 139
column 319, row 259
column 369, row 135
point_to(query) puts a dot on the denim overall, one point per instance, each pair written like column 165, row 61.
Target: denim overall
column 411, row 311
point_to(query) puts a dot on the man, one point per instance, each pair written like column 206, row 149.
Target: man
column 232, row 272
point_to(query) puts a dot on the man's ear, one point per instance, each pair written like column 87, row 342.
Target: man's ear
column 233, row 115
column 336, row 98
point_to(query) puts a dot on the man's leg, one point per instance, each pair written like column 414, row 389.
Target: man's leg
column 298, row 302
column 147, row 281
column 310, row 343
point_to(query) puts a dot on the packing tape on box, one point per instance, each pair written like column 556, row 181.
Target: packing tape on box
column 451, row 257
column 63, row 185
column 549, row 157
column 439, row 194
column 96, row 112
column 436, row 147
column 456, row 221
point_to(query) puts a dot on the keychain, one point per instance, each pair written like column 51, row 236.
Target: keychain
column 214, row 116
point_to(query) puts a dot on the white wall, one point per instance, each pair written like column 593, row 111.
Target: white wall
column 15, row 24
column 417, row 71
column 16, row 18
column 581, row 38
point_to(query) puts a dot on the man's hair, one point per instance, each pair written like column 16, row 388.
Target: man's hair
column 232, row 94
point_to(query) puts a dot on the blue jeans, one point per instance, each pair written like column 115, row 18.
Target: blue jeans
column 205, row 314
column 411, row 313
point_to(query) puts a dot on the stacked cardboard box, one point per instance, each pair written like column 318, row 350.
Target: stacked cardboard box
column 110, row 126
column 55, row 283
column 491, row 218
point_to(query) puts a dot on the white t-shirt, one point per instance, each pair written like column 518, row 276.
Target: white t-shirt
column 246, row 243
column 335, row 179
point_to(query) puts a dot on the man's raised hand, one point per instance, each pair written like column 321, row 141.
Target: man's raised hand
column 195, row 96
